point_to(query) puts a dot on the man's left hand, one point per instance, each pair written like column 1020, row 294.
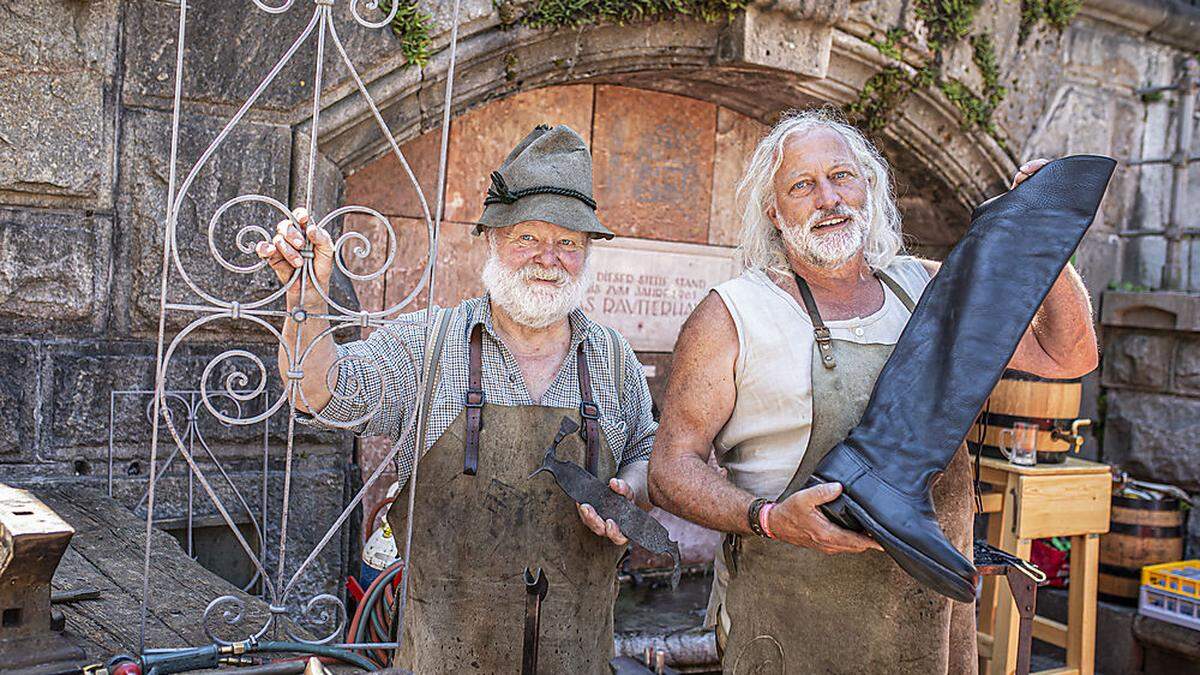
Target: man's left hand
column 1028, row 169
column 606, row 528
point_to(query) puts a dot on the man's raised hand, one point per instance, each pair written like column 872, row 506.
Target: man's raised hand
column 283, row 254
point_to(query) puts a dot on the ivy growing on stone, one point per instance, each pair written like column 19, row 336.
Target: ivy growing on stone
column 947, row 23
column 1056, row 14
column 576, row 13
column 411, row 25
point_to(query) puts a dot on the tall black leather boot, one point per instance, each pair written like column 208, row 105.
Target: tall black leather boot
column 946, row 362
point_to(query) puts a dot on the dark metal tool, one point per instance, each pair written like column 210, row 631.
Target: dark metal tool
column 585, row 488
column 535, row 591
column 1023, row 580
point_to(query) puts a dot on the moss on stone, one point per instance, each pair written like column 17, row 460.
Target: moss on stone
column 411, row 25
column 881, row 95
column 1056, row 14
column 576, row 13
column 947, row 21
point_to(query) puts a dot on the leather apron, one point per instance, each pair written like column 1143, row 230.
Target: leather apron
column 795, row 610
column 474, row 535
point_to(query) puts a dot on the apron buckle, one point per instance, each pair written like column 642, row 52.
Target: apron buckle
column 473, row 398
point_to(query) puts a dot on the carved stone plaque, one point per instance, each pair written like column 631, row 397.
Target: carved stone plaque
column 646, row 288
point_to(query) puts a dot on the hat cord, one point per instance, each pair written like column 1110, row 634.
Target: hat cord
column 499, row 193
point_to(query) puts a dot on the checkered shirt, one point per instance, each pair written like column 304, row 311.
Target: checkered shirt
column 388, row 363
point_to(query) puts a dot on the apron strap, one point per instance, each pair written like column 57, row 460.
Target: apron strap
column 589, row 412
column 431, row 369
column 821, row 332
column 902, row 294
column 473, row 402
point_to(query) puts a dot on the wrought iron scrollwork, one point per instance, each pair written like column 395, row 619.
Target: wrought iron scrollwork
column 236, row 378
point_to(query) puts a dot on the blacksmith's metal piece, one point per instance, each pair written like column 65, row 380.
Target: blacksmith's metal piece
column 535, row 591
column 1023, row 580
column 637, row 525
column 33, row 539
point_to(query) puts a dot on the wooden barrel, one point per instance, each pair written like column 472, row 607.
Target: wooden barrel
column 1051, row 405
column 1142, row 532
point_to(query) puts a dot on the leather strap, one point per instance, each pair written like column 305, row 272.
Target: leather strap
column 821, row 332
column 473, row 402
column 431, row 369
column 904, row 297
column 589, row 412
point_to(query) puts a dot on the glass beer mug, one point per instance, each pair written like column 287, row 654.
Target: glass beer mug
column 1019, row 444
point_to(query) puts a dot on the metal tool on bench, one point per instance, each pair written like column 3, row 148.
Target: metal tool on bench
column 1023, row 580
column 33, row 539
column 641, row 528
column 535, row 591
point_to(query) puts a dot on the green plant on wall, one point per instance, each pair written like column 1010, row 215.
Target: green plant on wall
column 1056, row 14
column 576, row 13
column 947, row 23
column 411, row 25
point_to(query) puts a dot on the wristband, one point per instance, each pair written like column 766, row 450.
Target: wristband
column 753, row 517
column 764, row 519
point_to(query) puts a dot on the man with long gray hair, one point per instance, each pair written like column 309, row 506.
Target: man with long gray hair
column 502, row 372
column 774, row 367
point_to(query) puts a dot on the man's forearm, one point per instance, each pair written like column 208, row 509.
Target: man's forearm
column 318, row 380
column 689, row 488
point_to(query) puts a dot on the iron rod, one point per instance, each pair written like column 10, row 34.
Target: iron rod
column 1175, row 269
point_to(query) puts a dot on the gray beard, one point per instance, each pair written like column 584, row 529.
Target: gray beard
column 831, row 250
column 528, row 305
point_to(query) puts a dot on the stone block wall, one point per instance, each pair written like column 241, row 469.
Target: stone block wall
column 1152, row 390
column 85, row 115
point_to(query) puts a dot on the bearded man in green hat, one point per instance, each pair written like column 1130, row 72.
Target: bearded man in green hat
column 505, row 369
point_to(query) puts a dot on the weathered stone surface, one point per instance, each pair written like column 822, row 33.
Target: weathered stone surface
column 56, row 108
column 736, row 137
column 80, row 379
column 481, row 139
column 1153, row 436
column 18, row 399
column 1138, row 360
column 772, row 39
column 254, row 159
column 54, row 269
column 653, row 163
column 384, row 185
column 1187, row 366
column 226, row 70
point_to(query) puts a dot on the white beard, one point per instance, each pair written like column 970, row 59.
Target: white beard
column 832, row 249
column 536, row 306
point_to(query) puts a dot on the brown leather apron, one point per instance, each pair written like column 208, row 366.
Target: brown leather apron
column 795, row 610
column 474, row 535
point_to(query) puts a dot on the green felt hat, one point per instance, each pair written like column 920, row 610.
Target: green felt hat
column 547, row 177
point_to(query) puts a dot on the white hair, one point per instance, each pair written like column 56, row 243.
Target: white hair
column 761, row 246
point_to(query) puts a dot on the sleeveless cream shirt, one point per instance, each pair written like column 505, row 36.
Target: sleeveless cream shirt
column 766, row 436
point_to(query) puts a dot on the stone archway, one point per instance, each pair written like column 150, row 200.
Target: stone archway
column 941, row 170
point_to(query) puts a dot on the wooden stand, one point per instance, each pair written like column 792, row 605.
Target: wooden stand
column 1049, row 500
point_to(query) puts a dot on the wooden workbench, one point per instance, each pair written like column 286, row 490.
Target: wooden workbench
column 1048, row 500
